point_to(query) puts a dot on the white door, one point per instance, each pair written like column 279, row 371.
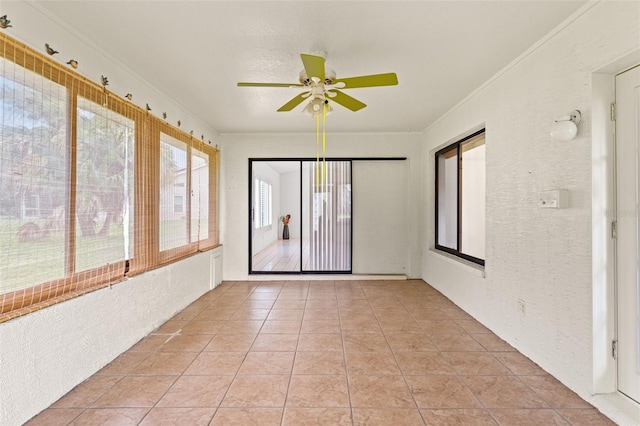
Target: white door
column 628, row 232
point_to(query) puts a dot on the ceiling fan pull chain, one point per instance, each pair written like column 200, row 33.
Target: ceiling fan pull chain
column 317, row 149
column 324, row 140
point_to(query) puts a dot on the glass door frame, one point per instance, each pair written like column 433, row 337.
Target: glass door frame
column 300, row 160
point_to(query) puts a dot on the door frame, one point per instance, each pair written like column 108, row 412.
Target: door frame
column 603, row 202
column 251, row 160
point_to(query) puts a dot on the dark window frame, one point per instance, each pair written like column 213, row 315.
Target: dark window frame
column 456, row 252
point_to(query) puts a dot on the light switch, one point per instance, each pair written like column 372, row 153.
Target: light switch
column 555, row 199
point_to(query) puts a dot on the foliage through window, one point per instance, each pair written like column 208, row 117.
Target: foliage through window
column 460, row 198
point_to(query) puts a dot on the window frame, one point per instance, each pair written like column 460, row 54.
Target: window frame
column 457, row 146
column 146, row 255
column 269, row 209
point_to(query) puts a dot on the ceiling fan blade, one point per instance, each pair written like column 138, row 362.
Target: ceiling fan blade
column 388, row 79
column 347, row 101
column 241, row 84
column 313, row 65
column 293, row 102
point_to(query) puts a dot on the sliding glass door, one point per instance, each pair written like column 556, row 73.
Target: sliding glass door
column 316, row 195
column 326, row 209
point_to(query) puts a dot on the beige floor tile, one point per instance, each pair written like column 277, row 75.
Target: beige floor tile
column 528, row 417
column 231, row 343
column 330, row 362
column 458, row 417
column 320, row 326
column 519, row 364
column 318, row 391
column 123, row 364
column 257, row 391
column 196, row 391
column 365, row 343
column 87, row 392
column 187, row 343
column 433, row 326
column 178, row 416
column 554, row 393
column 275, row 342
column 290, row 304
column 386, row 417
column 202, row 327
column 353, row 303
column 421, row 363
column 281, row 327
column 55, row 417
column 360, row 326
column 216, row 363
column 172, row 326
column 165, row 363
column 317, row 417
column 136, row 391
column 437, row 391
column 472, row 326
column 250, row 313
column 380, row 392
column 364, row 313
column 378, row 363
column 452, row 342
column 428, row 314
column 286, row 315
column 476, row 364
column 321, row 352
column 110, row 417
column 241, row 327
column 247, row 417
column 320, row 342
column 503, row 392
column 321, row 313
column 492, row 343
column 585, row 417
column 216, row 314
column 412, row 342
column 150, row 343
column 261, row 363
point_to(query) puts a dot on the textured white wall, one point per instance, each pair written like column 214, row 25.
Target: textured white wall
column 238, row 148
column 46, row 353
column 542, row 256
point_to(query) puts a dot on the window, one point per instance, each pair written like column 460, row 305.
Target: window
column 93, row 188
column 178, row 204
column 173, row 169
column 263, row 204
column 460, row 198
column 105, row 152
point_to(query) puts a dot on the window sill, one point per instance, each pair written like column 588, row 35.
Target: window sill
column 476, row 269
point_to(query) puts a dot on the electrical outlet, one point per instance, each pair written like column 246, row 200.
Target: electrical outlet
column 522, row 306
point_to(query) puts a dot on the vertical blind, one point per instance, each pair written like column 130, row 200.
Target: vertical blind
column 328, row 225
column 92, row 187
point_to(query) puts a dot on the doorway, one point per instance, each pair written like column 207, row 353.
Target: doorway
column 312, row 200
column 628, row 232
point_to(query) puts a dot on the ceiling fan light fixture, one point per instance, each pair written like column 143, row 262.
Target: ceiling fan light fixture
column 315, row 107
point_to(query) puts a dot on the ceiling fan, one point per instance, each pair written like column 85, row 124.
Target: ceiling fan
column 321, row 85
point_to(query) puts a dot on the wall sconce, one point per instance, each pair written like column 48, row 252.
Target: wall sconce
column 565, row 128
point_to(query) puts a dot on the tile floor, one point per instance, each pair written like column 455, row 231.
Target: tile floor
column 321, row 353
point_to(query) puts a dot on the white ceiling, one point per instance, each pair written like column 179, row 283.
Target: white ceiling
column 196, row 52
